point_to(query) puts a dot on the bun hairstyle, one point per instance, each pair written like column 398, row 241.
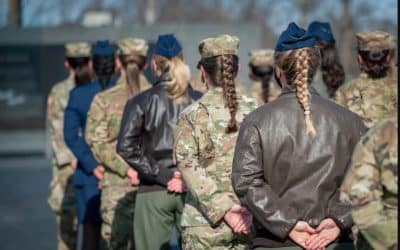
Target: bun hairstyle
column 104, row 61
column 376, row 48
column 377, row 63
column 170, row 65
column 298, row 56
column 222, row 71
column 80, row 66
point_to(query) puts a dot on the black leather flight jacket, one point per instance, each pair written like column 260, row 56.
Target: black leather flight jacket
column 146, row 136
column 282, row 174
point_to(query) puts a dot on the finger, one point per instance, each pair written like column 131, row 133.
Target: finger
column 309, row 229
column 311, row 238
column 316, row 244
column 312, row 241
column 321, row 226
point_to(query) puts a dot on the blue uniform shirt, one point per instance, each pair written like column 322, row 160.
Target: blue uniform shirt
column 75, row 116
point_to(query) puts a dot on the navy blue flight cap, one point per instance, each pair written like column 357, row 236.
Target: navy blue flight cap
column 294, row 37
column 167, row 46
column 321, row 30
column 104, row 48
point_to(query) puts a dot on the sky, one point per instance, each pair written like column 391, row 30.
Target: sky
column 283, row 11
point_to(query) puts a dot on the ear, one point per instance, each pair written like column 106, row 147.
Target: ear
column 118, row 64
column 90, row 65
column 359, row 59
column 203, row 71
column 145, row 66
column 153, row 65
column 239, row 66
column 66, row 65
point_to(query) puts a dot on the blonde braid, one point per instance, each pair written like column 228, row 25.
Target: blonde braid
column 301, row 82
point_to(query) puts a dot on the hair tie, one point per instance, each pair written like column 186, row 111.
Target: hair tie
column 307, row 112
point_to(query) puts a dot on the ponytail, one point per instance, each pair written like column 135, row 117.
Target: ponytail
column 178, row 76
column 133, row 64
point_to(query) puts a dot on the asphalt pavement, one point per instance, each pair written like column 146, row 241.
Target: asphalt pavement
column 26, row 221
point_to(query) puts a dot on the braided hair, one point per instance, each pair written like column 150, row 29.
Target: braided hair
column 222, row 71
column 263, row 72
column 332, row 70
column 104, row 67
column 300, row 66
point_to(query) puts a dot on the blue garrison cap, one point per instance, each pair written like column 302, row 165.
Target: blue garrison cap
column 321, row 30
column 294, row 37
column 167, row 46
column 104, row 48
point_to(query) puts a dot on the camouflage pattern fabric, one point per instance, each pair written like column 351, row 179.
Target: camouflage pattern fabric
column 219, row 238
column 118, row 195
column 62, row 199
column 80, row 49
column 133, row 45
column 371, row 186
column 256, row 92
column 204, row 154
column 372, row 99
column 262, row 57
column 374, row 40
column 220, row 45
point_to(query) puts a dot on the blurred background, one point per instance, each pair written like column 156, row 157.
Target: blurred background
column 32, row 35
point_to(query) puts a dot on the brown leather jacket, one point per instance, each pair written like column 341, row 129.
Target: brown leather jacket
column 282, row 174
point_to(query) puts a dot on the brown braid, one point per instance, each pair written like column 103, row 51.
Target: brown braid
column 331, row 68
column 228, row 86
column 300, row 67
column 222, row 71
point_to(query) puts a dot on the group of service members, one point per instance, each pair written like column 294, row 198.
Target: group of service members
column 272, row 166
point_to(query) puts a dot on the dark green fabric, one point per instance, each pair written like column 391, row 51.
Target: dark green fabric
column 156, row 213
column 334, row 246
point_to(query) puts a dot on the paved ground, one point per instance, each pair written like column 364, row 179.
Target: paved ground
column 26, row 221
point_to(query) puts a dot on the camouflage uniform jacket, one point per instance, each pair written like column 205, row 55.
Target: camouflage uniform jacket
column 256, row 92
column 56, row 104
column 204, row 154
column 372, row 99
column 371, row 185
column 104, row 118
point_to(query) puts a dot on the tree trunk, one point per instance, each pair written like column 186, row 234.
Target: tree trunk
column 14, row 13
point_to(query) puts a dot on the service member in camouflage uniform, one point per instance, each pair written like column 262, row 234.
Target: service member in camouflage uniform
column 204, row 145
column 263, row 89
column 373, row 95
column 371, row 185
column 104, row 118
column 62, row 198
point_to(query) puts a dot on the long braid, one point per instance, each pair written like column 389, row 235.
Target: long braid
column 301, row 81
column 228, row 74
column 299, row 67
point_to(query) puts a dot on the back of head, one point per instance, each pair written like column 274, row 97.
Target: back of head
column 297, row 55
column 261, row 68
column 220, row 61
column 132, row 53
column 376, row 49
column 104, row 61
column 332, row 70
column 78, row 57
column 170, row 65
